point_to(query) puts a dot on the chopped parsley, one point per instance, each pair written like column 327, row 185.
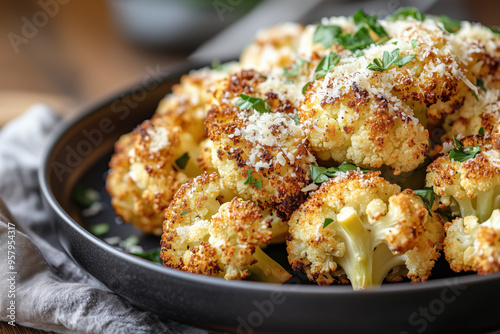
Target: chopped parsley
column 329, row 34
column 406, row 12
column 449, row 24
column 183, row 213
column 153, row 256
column 296, row 119
column 480, row 84
column 427, row 195
column 84, row 196
column 389, row 59
column 251, row 180
column 246, row 102
column 99, row 229
column 327, row 222
column 481, row 131
column 323, row 174
column 361, row 18
column 414, row 43
column 326, row 35
column 182, row 161
column 461, row 153
column 325, row 66
column 475, row 96
column 130, row 241
column 295, row 69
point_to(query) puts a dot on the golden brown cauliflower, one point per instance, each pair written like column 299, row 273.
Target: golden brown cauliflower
column 479, row 49
column 202, row 236
column 470, row 185
column 263, row 154
column 361, row 225
column 473, row 246
column 147, row 168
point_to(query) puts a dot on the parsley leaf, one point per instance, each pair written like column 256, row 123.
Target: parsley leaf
column 246, row 102
column 387, row 60
column 414, row 43
column 360, row 40
column 153, row 256
column 296, row 119
column 327, row 222
column 323, row 174
column 295, row 70
column 481, row 131
column 251, row 180
column 449, row 24
column 184, row 213
column 182, row 161
column 461, row 153
column 99, row 229
column 326, row 65
column 480, row 84
column 360, row 18
column 427, row 195
column 405, row 12
column 326, row 35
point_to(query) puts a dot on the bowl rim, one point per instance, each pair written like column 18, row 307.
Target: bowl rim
column 216, row 282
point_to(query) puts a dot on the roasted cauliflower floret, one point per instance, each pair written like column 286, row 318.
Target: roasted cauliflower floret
column 470, row 186
column 473, row 246
column 364, row 226
column 147, row 168
column 479, row 49
column 263, row 154
column 202, row 236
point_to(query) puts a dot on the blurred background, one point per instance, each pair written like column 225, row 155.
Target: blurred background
column 69, row 53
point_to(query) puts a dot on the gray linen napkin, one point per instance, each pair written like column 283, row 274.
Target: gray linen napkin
column 44, row 289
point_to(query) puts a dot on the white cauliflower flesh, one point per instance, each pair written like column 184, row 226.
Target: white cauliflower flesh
column 364, row 226
column 202, row 236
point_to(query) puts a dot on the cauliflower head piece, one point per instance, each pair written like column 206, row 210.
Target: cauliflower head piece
column 202, row 236
column 147, row 168
column 259, row 150
column 473, row 246
column 362, row 225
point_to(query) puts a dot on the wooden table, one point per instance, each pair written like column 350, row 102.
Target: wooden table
column 80, row 57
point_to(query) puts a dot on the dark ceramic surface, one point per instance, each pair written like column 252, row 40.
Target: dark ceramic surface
column 79, row 153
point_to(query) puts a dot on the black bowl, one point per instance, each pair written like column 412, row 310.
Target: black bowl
column 79, row 151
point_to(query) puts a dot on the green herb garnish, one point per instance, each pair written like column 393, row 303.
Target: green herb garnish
column 449, row 24
column 405, row 12
column 414, row 43
column 480, row 84
column 461, row 153
column 251, row 180
column 99, row 229
column 131, row 241
column 84, row 197
column 296, row 119
column 182, row 161
column 153, row 256
column 327, row 222
column 427, row 195
column 360, row 18
column 246, row 102
column 360, row 40
column 389, row 59
column 475, row 96
column 326, row 35
column 326, row 65
column 295, row 69
column 183, row 213
column 481, row 131
column 323, row 174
